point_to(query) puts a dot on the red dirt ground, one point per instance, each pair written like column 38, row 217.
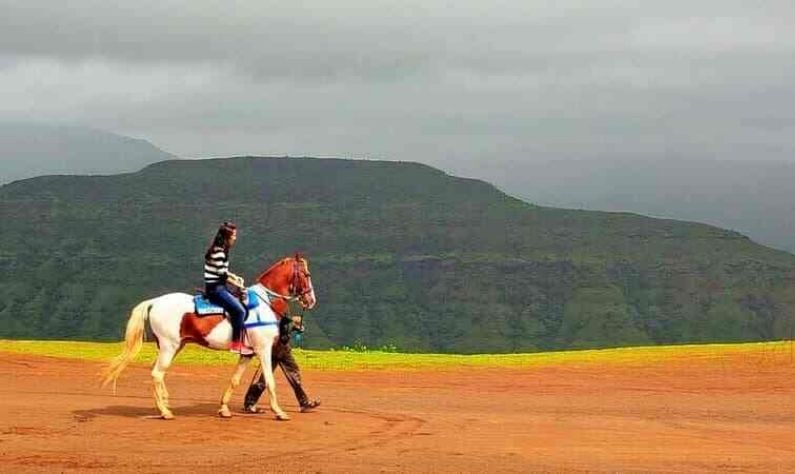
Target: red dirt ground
column 724, row 414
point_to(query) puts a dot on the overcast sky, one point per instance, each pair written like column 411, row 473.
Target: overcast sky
column 447, row 83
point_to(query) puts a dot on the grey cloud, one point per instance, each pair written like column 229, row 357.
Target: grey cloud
column 426, row 80
column 377, row 39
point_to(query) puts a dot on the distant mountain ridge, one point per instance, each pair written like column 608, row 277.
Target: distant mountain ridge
column 33, row 149
column 752, row 197
column 402, row 255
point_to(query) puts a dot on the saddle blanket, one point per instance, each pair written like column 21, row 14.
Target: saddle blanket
column 205, row 307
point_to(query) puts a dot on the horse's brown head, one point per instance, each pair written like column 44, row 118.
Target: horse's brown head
column 290, row 277
column 301, row 285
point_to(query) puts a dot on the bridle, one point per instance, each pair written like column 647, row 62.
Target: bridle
column 298, row 263
column 295, row 280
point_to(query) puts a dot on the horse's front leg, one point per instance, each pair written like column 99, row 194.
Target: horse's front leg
column 270, row 381
column 242, row 363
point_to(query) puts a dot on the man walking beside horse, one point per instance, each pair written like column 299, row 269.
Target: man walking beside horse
column 282, row 356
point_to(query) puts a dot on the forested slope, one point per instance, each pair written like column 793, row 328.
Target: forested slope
column 401, row 254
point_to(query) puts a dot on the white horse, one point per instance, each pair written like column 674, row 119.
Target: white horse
column 174, row 323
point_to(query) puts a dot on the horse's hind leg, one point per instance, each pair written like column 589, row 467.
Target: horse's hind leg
column 164, row 358
column 242, row 363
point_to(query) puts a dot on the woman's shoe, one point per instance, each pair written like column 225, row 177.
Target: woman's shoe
column 240, row 348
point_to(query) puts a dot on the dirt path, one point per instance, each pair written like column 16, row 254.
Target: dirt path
column 724, row 414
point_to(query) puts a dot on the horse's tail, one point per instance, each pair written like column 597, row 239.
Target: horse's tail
column 133, row 340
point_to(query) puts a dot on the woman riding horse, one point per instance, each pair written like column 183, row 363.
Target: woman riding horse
column 217, row 274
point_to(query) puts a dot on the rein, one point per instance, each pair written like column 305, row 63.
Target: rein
column 277, row 295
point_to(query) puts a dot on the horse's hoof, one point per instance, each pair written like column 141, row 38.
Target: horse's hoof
column 282, row 417
column 224, row 412
column 167, row 415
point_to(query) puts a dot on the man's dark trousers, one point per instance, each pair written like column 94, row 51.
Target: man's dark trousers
column 282, row 356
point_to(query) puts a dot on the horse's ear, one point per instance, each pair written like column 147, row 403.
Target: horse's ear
column 299, row 256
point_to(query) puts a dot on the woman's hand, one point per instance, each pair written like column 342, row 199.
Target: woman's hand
column 235, row 280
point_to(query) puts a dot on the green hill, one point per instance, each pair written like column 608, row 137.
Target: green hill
column 401, row 254
column 753, row 197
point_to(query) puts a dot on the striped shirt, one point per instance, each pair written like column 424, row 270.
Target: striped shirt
column 216, row 266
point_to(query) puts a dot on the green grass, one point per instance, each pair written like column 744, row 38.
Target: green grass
column 375, row 360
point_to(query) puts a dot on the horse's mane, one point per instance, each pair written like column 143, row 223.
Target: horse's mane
column 298, row 256
column 270, row 269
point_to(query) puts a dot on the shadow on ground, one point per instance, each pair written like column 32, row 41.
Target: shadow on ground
column 125, row 411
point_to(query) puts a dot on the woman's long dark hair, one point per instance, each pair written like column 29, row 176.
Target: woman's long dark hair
column 221, row 238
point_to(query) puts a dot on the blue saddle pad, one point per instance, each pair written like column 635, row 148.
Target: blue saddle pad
column 204, row 307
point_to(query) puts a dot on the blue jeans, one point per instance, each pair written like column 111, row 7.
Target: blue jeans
column 219, row 294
